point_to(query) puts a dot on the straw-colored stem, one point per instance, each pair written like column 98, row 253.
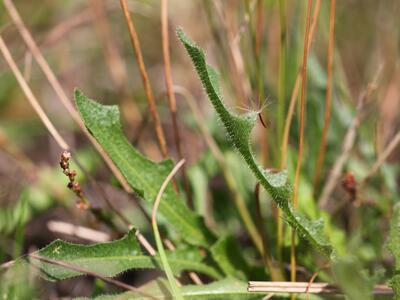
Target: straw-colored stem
column 281, row 109
column 322, row 146
column 171, row 94
column 295, row 93
column 301, row 138
column 173, row 284
column 146, row 82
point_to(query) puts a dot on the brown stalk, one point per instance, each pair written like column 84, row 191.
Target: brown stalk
column 34, row 49
column 322, row 145
column 146, row 82
column 112, row 281
column 289, row 116
column 296, row 89
column 301, row 137
column 171, row 94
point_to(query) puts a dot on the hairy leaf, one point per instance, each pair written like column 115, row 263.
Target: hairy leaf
column 143, row 175
column 225, row 289
column 239, row 129
column 112, row 258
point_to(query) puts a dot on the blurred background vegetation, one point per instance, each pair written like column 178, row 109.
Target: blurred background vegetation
column 88, row 46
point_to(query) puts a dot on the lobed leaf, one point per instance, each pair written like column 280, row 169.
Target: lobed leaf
column 112, row 258
column 239, row 129
column 144, row 176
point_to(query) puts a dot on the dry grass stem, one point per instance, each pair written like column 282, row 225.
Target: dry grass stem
column 171, row 94
column 296, row 89
column 322, row 145
column 146, row 82
column 301, row 136
column 306, row 287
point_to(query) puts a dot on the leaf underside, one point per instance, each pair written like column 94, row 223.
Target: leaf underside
column 112, row 258
column 143, row 175
column 239, row 129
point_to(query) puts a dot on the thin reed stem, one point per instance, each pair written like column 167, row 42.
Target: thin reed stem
column 171, row 95
column 330, row 55
column 146, row 82
column 296, row 89
column 301, row 138
column 174, row 287
column 281, row 110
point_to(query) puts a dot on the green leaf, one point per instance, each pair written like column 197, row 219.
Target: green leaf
column 229, row 258
column 394, row 247
column 144, row 176
column 394, row 283
column 225, row 289
column 351, row 279
column 112, row 258
column 239, row 131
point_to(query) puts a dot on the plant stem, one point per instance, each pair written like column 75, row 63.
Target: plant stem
column 173, row 285
column 301, row 138
column 146, row 82
column 171, row 95
column 281, row 110
column 322, row 146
